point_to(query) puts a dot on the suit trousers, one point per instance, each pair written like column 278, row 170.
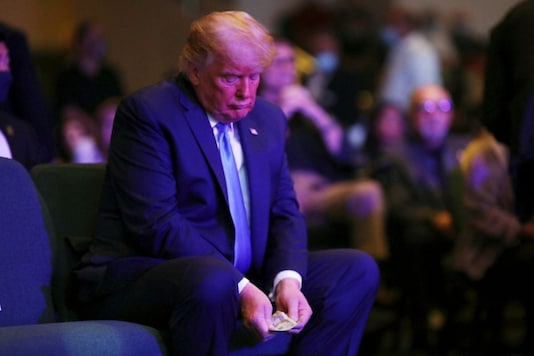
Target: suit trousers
column 196, row 299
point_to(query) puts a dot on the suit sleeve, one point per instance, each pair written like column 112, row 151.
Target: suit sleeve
column 287, row 236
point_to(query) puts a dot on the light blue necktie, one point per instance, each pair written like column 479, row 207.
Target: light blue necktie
column 242, row 249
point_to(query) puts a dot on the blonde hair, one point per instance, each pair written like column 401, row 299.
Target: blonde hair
column 222, row 36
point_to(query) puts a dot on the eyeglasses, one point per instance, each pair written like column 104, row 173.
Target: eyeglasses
column 430, row 107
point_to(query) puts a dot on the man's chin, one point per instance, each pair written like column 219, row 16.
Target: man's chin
column 238, row 114
column 232, row 115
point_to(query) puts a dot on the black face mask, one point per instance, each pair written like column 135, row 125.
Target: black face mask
column 5, row 83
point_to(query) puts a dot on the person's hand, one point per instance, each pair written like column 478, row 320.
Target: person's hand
column 295, row 98
column 290, row 300
column 256, row 310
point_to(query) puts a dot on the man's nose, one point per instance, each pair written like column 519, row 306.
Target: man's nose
column 243, row 87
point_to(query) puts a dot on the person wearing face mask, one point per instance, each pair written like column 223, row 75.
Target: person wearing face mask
column 421, row 184
column 18, row 139
column 412, row 59
column 332, row 85
column 25, row 99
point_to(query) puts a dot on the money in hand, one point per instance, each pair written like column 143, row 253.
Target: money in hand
column 282, row 322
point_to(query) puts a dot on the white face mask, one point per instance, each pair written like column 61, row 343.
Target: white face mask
column 326, row 62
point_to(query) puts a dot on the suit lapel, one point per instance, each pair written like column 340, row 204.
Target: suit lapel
column 203, row 133
column 256, row 160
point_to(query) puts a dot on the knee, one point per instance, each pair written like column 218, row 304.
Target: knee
column 366, row 271
column 360, row 271
column 214, row 282
column 356, row 289
column 365, row 198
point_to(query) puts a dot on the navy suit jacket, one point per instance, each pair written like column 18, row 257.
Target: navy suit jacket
column 165, row 197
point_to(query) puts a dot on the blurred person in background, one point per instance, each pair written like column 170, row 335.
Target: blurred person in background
column 25, row 99
column 497, row 255
column 320, row 162
column 18, row 139
column 412, row 60
column 87, row 78
column 331, row 84
column 422, row 188
column 387, row 132
column 105, row 116
column 78, row 137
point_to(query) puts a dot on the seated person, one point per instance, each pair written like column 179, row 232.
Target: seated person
column 25, row 99
column 387, row 132
column 421, row 185
column 498, row 253
column 18, row 139
column 77, row 137
column 87, row 78
column 199, row 231
column 320, row 161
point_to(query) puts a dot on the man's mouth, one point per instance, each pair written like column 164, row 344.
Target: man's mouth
column 240, row 107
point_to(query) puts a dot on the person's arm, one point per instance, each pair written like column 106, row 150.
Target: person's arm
column 296, row 98
column 286, row 256
column 142, row 169
column 488, row 195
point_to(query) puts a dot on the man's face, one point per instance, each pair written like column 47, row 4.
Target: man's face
column 227, row 90
column 282, row 71
column 390, row 125
column 432, row 111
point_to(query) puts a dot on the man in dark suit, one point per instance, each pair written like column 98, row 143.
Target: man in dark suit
column 18, row 139
column 165, row 252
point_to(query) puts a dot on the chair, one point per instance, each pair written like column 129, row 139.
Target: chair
column 33, row 320
column 71, row 193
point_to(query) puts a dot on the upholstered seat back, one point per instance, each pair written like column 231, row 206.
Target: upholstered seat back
column 72, row 194
column 25, row 252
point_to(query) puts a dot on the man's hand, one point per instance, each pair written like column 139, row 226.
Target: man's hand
column 256, row 310
column 290, row 300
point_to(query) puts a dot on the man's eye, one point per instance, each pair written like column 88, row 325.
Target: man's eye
column 230, row 79
column 254, row 76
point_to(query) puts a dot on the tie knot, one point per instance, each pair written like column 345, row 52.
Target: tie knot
column 223, row 128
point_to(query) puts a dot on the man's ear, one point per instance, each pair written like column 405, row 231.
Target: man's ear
column 193, row 74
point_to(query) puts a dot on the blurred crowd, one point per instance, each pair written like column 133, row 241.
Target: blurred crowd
column 75, row 124
column 397, row 144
